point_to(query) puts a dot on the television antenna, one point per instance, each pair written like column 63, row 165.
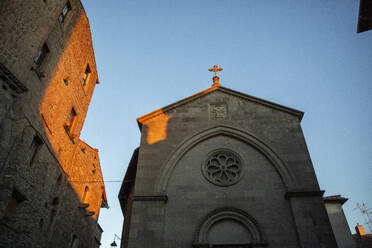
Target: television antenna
column 366, row 213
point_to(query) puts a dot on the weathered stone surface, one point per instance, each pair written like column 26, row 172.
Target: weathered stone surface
column 338, row 221
column 43, row 169
column 276, row 202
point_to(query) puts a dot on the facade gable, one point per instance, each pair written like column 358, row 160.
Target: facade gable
column 227, row 91
column 218, row 161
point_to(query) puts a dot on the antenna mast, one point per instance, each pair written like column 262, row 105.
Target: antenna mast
column 367, row 214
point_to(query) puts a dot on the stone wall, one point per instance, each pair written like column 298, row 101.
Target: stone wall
column 277, row 198
column 43, row 171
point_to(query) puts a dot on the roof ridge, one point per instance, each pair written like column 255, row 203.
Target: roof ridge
column 197, row 95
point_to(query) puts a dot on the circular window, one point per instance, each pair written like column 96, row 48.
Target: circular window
column 223, row 168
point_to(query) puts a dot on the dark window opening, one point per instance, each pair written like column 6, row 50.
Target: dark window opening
column 75, row 241
column 15, row 199
column 41, row 223
column 52, row 216
column 55, row 201
column 41, row 54
column 65, row 81
column 85, row 77
column 64, row 12
column 34, row 149
column 104, row 202
column 59, row 179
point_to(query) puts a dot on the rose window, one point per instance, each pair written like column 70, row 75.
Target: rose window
column 223, row 168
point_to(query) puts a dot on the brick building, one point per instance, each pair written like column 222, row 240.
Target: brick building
column 51, row 185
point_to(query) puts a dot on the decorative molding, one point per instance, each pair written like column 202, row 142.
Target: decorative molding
column 170, row 163
column 223, row 167
column 251, row 225
column 163, row 198
column 246, row 245
column 12, row 81
column 290, row 194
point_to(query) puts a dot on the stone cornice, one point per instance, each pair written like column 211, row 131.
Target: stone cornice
column 335, row 199
column 291, row 194
column 246, row 245
column 163, row 198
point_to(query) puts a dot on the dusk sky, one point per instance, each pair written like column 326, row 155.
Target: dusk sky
column 301, row 54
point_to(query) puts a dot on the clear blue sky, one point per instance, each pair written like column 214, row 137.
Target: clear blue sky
column 301, row 54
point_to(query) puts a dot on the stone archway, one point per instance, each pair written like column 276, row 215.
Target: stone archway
column 167, row 168
column 228, row 227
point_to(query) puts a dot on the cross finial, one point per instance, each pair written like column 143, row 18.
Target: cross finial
column 216, row 79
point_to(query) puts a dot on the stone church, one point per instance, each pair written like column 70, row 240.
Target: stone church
column 223, row 169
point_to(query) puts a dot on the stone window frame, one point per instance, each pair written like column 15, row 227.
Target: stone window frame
column 65, row 10
column 70, row 124
column 42, row 54
column 212, row 180
column 35, row 146
column 86, row 76
column 85, row 196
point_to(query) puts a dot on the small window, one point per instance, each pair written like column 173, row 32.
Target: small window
column 59, row 179
column 55, row 201
column 70, row 121
column 85, row 77
column 85, row 195
column 15, row 199
column 64, row 12
column 103, row 202
column 34, row 149
column 41, row 223
column 41, row 54
column 65, row 81
column 75, row 241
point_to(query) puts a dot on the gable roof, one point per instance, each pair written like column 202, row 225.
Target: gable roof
column 191, row 98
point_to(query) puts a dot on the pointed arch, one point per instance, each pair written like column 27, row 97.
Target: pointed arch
column 170, row 163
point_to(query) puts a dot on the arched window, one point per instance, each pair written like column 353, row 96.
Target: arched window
column 85, row 195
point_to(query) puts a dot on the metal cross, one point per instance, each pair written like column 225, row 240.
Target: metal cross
column 215, row 68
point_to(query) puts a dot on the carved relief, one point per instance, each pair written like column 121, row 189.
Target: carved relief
column 217, row 111
column 223, row 168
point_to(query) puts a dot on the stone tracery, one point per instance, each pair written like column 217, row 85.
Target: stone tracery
column 223, row 168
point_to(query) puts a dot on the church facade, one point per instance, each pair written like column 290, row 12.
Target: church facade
column 223, row 169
